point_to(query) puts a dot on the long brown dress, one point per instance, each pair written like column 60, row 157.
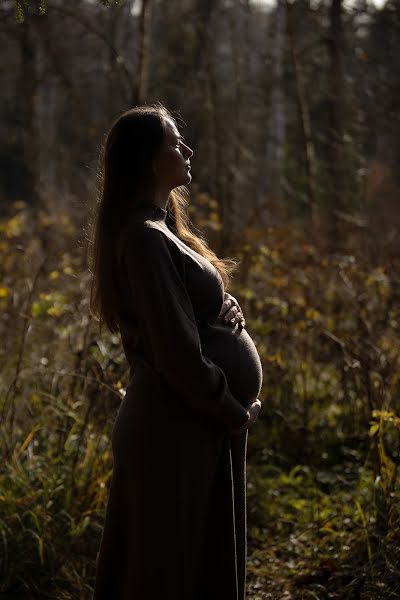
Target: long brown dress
column 175, row 523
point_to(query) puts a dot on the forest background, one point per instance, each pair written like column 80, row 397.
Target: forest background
column 292, row 109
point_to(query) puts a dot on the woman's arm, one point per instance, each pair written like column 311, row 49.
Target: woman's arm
column 162, row 305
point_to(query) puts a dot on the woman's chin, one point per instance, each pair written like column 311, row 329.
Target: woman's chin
column 187, row 179
column 184, row 181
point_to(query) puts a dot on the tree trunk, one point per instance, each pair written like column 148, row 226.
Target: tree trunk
column 205, row 24
column 274, row 151
column 143, row 52
column 335, row 119
column 304, row 114
column 25, row 113
column 235, row 15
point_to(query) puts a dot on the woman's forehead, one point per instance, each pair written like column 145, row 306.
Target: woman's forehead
column 171, row 129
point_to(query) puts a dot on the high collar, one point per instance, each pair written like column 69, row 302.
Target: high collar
column 152, row 211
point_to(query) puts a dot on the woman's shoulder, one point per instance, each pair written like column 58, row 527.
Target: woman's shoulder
column 146, row 244
column 146, row 236
column 140, row 235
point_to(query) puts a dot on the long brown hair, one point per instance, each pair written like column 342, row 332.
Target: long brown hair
column 124, row 177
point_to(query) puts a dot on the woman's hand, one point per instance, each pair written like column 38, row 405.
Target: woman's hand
column 231, row 312
column 253, row 409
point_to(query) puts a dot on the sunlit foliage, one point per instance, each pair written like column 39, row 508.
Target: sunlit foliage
column 323, row 497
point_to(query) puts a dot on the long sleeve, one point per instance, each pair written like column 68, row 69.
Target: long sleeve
column 163, row 307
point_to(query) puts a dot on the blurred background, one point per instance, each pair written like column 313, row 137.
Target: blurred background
column 292, row 110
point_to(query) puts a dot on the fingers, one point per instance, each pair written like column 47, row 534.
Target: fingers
column 231, row 312
column 227, row 306
column 253, row 416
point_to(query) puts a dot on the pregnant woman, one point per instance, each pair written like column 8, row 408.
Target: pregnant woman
column 175, row 523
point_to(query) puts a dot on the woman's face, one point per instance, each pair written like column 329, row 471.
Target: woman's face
column 172, row 165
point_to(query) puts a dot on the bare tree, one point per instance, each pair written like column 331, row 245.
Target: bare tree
column 336, row 190
column 304, row 115
column 274, row 149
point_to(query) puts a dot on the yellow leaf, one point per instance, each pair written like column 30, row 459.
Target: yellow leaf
column 373, row 429
column 300, row 325
column 299, row 300
column 214, row 225
column 276, row 359
column 202, row 199
column 298, row 503
column 65, row 220
column 248, row 293
column 27, row 440
column 313, row 313
column 280, row 281
column 4, row 292
column 45, row 219
column 13, row 226
column 55, row 311
column 19, row 204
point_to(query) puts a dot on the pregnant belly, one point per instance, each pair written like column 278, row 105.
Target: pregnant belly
column 233, row 350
